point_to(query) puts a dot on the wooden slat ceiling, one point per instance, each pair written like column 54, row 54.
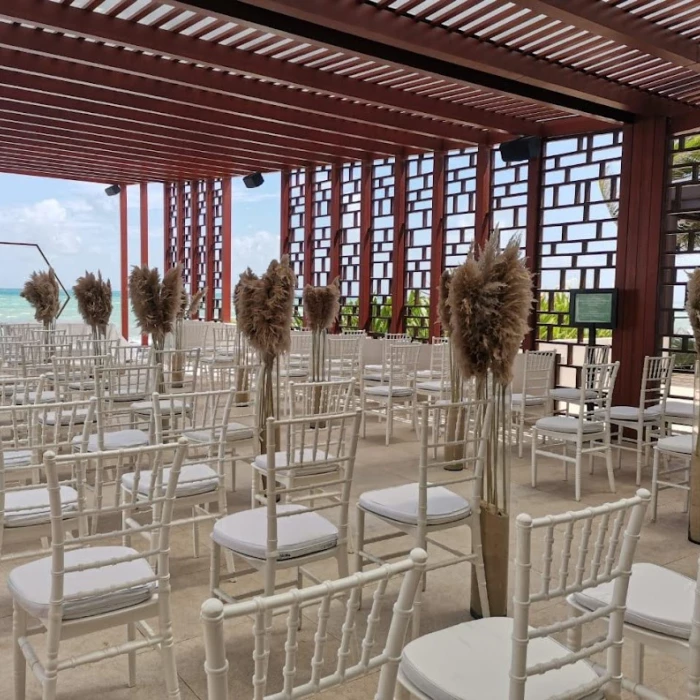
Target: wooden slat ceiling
column 145, row 90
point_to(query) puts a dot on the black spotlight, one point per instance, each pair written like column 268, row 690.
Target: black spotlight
column 112, row 190
column 253, row 180
column 525, row 148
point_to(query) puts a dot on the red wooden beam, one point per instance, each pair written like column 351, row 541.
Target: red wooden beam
column 284, row 213
column 642, row 194
column 532, row 241
column 143, row 233
column 437, row 252
column 124, row 260
column 95, row 26
column 8, row 169
column 261, row 96
column 210, row 247
column 308, row 272
column 365, row 297
column 398, row 283
column 482, row 213
column 226, row 244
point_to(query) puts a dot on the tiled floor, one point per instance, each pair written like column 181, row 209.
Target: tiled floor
column 445, row 602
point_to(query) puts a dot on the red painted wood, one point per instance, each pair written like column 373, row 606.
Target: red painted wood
column 284, row 212
column 437, row 260
column 166, row 224
column 211, row 251
column 308, row 226
column 180, row 222
column 364, row 310
column 226, row 246
column 482, row 214
column 398, row 284
column 143, row 231
column 532, row 240
column 194, row 250
column 335, row 221
column 124, row 259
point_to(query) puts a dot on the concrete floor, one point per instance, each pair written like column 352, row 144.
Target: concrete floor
column 446, row 601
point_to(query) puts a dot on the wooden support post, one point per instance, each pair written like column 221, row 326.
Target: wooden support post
column 226, row 244
column 194, row 233
column 166, row 225
column 180, row 223
column 124, row 259
column 398, row 282
column 642, row 195
column 284, row 213
column 336, row 229
column 482, row 205
column 437, row 260
column 143, row 231
column 209, row 227
column 532, row 240
column 365, row 300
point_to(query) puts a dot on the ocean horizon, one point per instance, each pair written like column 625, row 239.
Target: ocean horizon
column 15, row 309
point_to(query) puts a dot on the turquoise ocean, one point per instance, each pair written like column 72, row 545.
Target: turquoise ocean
column 15, row 309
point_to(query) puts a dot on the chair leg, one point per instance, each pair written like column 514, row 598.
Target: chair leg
column 533, row 459
column 577, row 473
column 214, row 567
column 131, row 636
column 610, row 468
column 19, row 629
column 655, row 486
column 640, row 448
column 521, row 433
column 167, row 650
column 195, row 534
column 637, row 662
column 574, row 634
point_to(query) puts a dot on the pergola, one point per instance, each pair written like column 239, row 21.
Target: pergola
column 382, row 116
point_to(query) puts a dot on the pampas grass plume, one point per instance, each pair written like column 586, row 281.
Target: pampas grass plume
column 444, row 310
column 195, row 303
column 42, row 292
column 321, row 305
column 693, row 305
column 94, row 297
column 155, row 304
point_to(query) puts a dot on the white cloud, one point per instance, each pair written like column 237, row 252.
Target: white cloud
column 254, row 251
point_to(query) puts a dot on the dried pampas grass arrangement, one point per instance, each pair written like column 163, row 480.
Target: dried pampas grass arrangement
column 264, row 314
column 156, row 304
column 94, row 297
column 321, row 309
column 692, row 306
column 42, row 292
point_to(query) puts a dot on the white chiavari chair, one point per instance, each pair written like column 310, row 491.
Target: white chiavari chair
column 88, row 584
column 74, row 376
column 222, row 343
column 437, row 385
column 377, row 372
column 662, row 613
column 588, row 432
column 437, row 358
column 345, row 354
column 646, row 420
column 95, row 346
column 353, row 331
column 297, row 684
column 36, row 357
column 502, row 658
column 533, row 400
column 397, row 392
column 594, row 355
column 25, row 516
column 295, row 363
column 130, row 355
column 310, row 398
column 11, row 355
column 674, row 449
column 289, row 534
column 422, row 509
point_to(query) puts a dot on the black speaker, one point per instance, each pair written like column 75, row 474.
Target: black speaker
column 525, row 148
column 112, row 190
column 253, row 180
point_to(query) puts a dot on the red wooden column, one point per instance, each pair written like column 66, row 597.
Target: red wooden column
column 124, row 259
column 532, row 240
column 143, row 231
column 642, row 191
column 284, row 213
column 336, row 231
column 210, row 248
column 226, row 245
column 180, row 223
column 398, row 283
column 166, row 224
column 482, row 204
column 364, row 305
column 194, row 233
column 437, row 252
column 308, row 225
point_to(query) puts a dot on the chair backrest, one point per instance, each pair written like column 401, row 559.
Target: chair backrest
column 74, row 376
column 606, row 538
column 60, row 426
column 155, row 514
column 402, row 364
column 440, row 359
column 377, row 650
column 129, row 355
column 656, row 381
column 222, row 339
column 538, row 372
column 180, row 369
column 94, row 346
column 597, row 355
column 453, row 435
column 36, row 357
column 313, row 398
column 595, row 393
column 345, row 355
column 11, row 354
column 311, row 448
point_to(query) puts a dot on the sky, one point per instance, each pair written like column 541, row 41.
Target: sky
column 77, row 226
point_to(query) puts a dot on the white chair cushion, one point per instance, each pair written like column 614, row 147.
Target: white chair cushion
column 117, row 440
column 400, row 503
column 165, row 405
column 436, row 385
column 17, row 458
column 260, row 462
column 674, row 409
column 194, row 479
column 471, row 661
column 373, row 377
column 294, row 372
column 629, row 413
column 568, row 424
column 67, row 418
column 234, row 431
column 424, row 374
column 566, row 394
column 30, row 584
column 46, row 397
column 370, row 369
column 127, row 393
column 297, row 535
column 530, row 400
column 31, row 506
column 676, row 443
column 396, row 391
column 658, row 599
